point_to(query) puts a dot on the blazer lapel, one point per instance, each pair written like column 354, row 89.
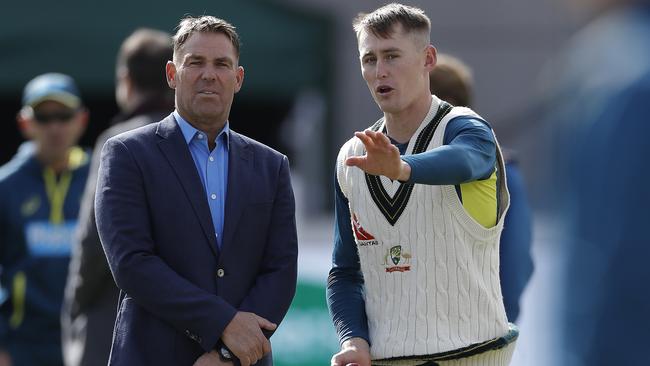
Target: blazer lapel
column 178, row 154
column 240, row 163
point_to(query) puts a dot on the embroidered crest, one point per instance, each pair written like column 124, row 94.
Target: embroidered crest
column 397, row 260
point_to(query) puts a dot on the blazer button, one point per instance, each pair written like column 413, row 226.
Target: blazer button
column 220, row 272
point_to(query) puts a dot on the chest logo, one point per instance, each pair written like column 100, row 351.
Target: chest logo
column 359, row 232
column 30, row 206
column 397, row 260
column 362, row 237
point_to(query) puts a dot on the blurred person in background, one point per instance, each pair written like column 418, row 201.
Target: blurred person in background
column 40, row 194
column 415, row 269
column 451, row 80
column 597, row 109
column 196, row 220
column 91, row 298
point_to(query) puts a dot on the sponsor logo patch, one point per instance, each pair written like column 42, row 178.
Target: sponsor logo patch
column 45, row 239
column 363, row 237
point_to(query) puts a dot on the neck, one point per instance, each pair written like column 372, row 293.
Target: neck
column 402, row 125
column 211, row 128
column 134, row 101
column 58, row 163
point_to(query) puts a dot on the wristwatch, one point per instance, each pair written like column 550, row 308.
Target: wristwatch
column 224, row 353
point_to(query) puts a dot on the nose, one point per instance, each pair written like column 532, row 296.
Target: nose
column 381, row 70
column 209, row 73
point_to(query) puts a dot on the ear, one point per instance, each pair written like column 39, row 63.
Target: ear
column 128, row 85
column 83, row 117
column 239, row 77
column 24, row 125
column 80, row 122
column 431, row 57
column 170, row 72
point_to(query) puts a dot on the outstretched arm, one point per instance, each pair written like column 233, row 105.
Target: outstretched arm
column 468, row 154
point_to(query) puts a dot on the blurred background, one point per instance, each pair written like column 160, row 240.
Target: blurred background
column 303, row 94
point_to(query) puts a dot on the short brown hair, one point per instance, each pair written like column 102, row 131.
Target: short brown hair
column 204, row 24
column 451, row 81
column 143, row 56
column 381, row 21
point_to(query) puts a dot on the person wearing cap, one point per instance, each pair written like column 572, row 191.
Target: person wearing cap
column 39, row 203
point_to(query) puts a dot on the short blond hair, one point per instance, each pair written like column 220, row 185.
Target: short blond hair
column 382, row 21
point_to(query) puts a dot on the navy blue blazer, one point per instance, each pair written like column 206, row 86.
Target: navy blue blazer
column 178, row 289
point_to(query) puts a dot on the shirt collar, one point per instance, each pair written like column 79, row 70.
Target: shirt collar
column 189, row 132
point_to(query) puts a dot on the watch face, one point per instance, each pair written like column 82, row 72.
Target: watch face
column 225, row 353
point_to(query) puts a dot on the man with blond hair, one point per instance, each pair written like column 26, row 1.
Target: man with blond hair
column 420, row 202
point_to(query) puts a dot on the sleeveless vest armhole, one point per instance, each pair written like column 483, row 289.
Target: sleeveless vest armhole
column 504, row 195
column 342, row 169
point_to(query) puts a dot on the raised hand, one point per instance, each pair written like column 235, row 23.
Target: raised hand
column 382, row 157
column 244, row 337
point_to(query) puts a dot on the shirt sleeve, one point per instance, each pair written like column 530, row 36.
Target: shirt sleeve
column 515, row 257
column 345, row 282
column 468, row 154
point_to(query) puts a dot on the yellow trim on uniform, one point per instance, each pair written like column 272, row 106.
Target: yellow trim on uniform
column 76, row 158
column 480, row 200
column 57, row 191
column 19, row 289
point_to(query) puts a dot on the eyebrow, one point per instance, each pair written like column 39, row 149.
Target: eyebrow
column 190, row 56
column 385, row 50
column 226, row 59
column 218, row 59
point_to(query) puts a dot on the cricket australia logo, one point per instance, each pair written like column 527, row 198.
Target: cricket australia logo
column 397, row 260
column 362, row 236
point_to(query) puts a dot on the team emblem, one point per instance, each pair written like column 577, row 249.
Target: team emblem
column 394, row 256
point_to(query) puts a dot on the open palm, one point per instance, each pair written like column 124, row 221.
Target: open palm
column 382, row 157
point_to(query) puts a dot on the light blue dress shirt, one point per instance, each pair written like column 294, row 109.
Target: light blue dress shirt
column 212, row 167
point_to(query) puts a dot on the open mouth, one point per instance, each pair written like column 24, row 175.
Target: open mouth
column 383, row 89
column 207, row 92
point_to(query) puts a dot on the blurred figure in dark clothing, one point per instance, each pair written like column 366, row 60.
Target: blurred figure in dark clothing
column 91, row 300
column 451, row 81
column 40, row 191
column 597, row 128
